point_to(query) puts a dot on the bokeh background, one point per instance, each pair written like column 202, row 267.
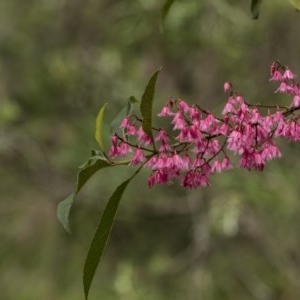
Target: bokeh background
column 60, row 61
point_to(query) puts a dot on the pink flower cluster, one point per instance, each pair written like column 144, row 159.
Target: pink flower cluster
column 201, row 143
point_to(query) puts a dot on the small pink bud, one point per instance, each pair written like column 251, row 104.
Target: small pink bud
column 296, row 101
column 227, row 86
column 273, row 68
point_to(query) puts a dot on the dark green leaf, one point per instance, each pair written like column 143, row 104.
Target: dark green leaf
column 101, row 236
column 147, row 103
column 132, row 99
column 95, row 152
column 98, row 131
column 166, row 8
column 255, row 7
column 93, row 165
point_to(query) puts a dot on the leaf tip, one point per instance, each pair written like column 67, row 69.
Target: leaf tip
column 98, row 129
column 63, row 211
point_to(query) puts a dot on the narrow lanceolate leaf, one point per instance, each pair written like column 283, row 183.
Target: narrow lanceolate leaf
column 255, row 8
column 98, row 131
column 101, row 236
column 86, row 172
column 147, row 104
column 166, row 8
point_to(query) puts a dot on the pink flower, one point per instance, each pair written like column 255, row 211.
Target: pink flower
column 273, row 68
column 157, row 177
column 213, row 147
column 292, row 130
column 162, row 136
column 283, row 88
column 114, row 150
column 178, row 121
column 124, row 149
column 226, row 164
column 186, row 162
column 255, row 116
column 165, row 112
column 224, row 129
column 195, row 133
column 138, row 157
column 194, row 113
column 151, row 162
column 125, row 123
column 195, row 179
column 161, row 161
column 207, row 123
column 220, row 166
column 278, row 116
column 252, row 160
column 183, row 106
column 216, row 167
column 229, row 106
column 198, row 163
column 234, row 142
column 184, row 135
column 164, row 147
column 270, row 151
column 142, row 137
column 288, row 74
column 177, row 161
column 131, row 130
column 277, row 76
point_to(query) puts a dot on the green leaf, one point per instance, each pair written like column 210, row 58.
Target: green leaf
column 147, row 103
column 132, row 99
column 296, row 4
column 255, row 7
column 93, row 165
column 98, row 131
column 116, row 122
column 126, row 110
column 101, row 236
column 63, row 211
column 166, row 8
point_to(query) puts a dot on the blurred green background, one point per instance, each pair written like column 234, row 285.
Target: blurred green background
column 60, row 61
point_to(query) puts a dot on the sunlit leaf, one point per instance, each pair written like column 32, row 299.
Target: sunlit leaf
column 101, row 236
column 98, row 131
column 296, row 4
column 93, row 165
column 147, row 103
column 255, row 8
